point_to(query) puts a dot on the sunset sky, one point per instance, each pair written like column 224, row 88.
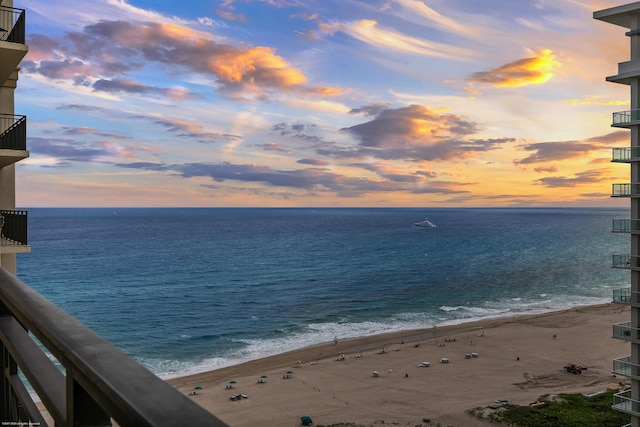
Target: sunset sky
column 408, row 103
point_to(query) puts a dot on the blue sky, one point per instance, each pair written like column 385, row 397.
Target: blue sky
column 320, row 103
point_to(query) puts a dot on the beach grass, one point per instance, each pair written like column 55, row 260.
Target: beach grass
column 561, row 410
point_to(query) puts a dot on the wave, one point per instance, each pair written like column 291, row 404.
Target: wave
column 319, row 333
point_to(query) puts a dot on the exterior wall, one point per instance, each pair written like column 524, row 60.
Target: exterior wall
column 7, row 173
column 628, row 16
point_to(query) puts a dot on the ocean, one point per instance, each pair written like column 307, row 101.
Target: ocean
column 186, row 290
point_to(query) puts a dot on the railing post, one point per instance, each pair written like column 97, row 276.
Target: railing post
column 6, row 388
column 8, row 410
column 82, row 410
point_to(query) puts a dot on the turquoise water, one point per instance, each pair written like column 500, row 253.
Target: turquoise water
column 188, row 290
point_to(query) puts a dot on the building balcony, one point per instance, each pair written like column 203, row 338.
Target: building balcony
column 625, row 296
column 623, row 366
column 97, row 384
column 625, row 190
column 627, row 72
column 623, row 402
column 625, row 119
column 13, row 139
column 628, row 261
column 624, row 331
column 13, row 232
column 625, row 154
column 626, row 225
column 12, row 40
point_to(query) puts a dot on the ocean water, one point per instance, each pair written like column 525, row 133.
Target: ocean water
column 189, row 290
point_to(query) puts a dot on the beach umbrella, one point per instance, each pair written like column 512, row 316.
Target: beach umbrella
column 289, row 372
column 198, row 387
column 264, row 376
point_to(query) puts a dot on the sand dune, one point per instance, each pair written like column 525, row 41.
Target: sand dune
column 518, row 359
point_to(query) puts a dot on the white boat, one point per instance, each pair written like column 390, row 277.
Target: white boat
column 425, row 223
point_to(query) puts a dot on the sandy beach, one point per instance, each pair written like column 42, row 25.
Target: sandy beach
column 515, row 359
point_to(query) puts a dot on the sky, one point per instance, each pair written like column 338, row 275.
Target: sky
column 320, row 103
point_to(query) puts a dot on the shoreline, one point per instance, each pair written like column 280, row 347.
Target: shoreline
column 451, row 323
column 519, row 358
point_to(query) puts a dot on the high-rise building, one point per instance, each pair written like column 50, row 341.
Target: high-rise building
column 13, row 135
column 628, row 16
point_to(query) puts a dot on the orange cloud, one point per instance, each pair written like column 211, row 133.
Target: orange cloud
column 235, row 65
column 523, row 72
column 107, row 51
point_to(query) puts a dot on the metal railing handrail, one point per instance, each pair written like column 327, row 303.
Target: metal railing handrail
column 12, row 23
column 625, row 260
column 624, row 295
column 13, row 132
column 625, row 154
column 622, row 401
column 98, row 375
column 14, row 226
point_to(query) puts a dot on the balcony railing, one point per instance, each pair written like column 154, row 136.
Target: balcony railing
column 623, row 402
column 625, row 225
column 625, row 154
column 625, row 261
column 624, row 295
column 14, row 230
column 623, row 366
column 624, row 331
column 13, row 132
column 12, row 25
column 624, row 118
column 625, row 190
column 99, row 383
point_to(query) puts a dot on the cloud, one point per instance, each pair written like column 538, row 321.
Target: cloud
column 372, row 110
column 190, row 130
column 421, row 10
column 106, row 53
column 543, row 169
column 312, row 180
column 272, row 146
column 523, row 72
column 130, row 86
column 564, row 150
column 74, row 150
column 82, row 107
column 392, row 174
column 230, row 16
column 586, row 177
column 617, row 137
column 68, row 130
column 314, row 162
column 443, row 187
column 184, row 130
column 299, row 131
column 417, row 133
column 368, row 31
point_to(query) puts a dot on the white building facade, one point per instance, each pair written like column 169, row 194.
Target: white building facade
column 628, row 17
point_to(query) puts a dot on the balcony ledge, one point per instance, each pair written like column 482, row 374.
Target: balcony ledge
column 12, row 54
column 9, row 157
